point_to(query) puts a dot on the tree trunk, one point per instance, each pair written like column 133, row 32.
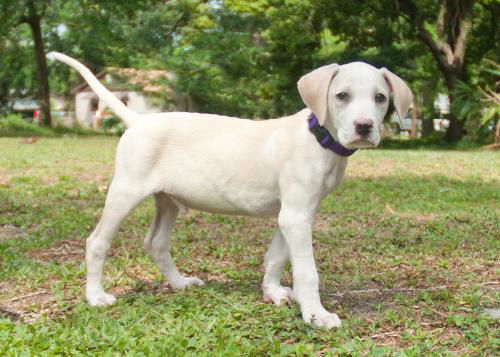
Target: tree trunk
column 497, row 133
column 41, row 64
column 427, row 126
column 413, row 132
column 447, row 45
column 427, row 108
column 455, row 131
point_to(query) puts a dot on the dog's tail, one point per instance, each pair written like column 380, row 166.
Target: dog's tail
column 128, row 116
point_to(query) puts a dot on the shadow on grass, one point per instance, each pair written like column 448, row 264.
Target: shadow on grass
column 431, row 143
column 160, row 288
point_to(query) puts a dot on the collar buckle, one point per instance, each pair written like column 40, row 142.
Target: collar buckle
column 326, row 140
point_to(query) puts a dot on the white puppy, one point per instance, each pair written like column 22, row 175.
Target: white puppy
column 235, row 166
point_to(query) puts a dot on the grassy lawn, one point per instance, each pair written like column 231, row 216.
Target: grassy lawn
column 407, row 251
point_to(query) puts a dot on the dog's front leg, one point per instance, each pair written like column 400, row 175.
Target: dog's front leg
column 296, row 226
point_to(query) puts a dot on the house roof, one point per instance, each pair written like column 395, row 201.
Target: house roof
column 115, row 78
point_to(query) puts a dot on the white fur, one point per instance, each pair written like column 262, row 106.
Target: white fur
column 236, row 166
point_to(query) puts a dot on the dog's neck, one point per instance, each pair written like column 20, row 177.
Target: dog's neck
column 326, row 140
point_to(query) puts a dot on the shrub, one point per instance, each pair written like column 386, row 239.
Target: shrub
column 15, row 125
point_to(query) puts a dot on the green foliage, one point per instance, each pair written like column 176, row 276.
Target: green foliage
column 478, row 106
column 17, row 72
column 15, row 126
column 240, row 58
column 113, row 125
column 216, row 62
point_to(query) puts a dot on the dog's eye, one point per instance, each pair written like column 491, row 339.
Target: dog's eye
column 342, row 96
column 380, row 98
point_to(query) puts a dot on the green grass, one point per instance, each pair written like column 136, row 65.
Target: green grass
column 407, row 249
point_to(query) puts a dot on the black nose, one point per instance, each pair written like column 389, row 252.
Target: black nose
column 363, row 126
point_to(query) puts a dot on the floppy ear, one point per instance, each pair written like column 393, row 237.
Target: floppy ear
column 402, row 93
column 313, row 88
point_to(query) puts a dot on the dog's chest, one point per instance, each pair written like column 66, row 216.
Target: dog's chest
column 333, row 176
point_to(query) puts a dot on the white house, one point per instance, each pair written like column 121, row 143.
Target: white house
column 144, row 91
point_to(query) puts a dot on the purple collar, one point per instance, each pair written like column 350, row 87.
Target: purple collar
column 326, row 139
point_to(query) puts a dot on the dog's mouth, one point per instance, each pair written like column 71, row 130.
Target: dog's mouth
column 362, row 144
column 355, row 141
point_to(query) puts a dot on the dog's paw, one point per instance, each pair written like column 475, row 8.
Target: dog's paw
column 100, row 299
column 278, row 295
column 322, row 319
column 186, row 282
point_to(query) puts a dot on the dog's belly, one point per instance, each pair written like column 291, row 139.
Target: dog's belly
column 243, row 202
column 219, row 186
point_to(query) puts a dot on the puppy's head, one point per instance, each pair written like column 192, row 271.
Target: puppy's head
column 351, row 100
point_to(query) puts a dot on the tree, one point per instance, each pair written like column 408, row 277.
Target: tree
column 17, row 73
column 297, row 36
column 399, row 34
column 45, row 19
column 447, row 28
column 31, row 12
column 448, row 46
column 243, row 57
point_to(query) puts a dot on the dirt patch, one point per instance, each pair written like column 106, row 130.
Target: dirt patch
column 9, row 313
column 492, row 147
column 4, row 177
column 61, row 252
column 9, row 231
column 23, row 306
column 27, row 305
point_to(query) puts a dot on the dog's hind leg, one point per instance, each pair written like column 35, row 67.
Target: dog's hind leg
column 274, row 262
column 158, row 243
column 120, row 201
